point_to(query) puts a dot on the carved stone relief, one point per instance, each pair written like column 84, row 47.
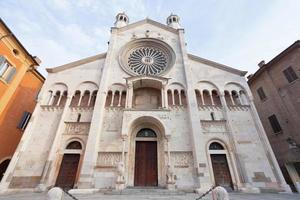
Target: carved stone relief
column 80, row 128
column 217, row 126
column 108, row 159
column 182, row 159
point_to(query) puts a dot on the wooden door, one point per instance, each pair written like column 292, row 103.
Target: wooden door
column 221, row 171
column 3, row 167
column 68, row 170
column 145, row 173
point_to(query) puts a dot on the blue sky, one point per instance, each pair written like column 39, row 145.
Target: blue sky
column 238, row 33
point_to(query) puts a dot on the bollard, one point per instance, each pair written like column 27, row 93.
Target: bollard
column 220, row 193
column 55, row 193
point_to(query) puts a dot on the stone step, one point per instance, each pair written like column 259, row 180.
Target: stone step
column 144, row 191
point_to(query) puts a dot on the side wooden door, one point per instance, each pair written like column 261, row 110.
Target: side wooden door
column 68, row 170
column 221, row 171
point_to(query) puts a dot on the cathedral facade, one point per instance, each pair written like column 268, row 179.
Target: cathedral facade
column 144, row 114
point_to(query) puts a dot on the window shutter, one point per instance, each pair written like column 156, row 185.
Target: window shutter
column 261, row 93
column 24, row 120
column 10, row 74
column 275, row 124
column 290, row 74
column 3, row 65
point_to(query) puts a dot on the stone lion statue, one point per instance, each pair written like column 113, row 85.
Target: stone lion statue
column 220, row 193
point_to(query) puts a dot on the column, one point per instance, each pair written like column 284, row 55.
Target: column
column 168, row 150
column 130, row 95
column 112, row 99
column 50, row 99
column 124, row 138
column 59, row 99
column 120, row 96
column 79, row 102
column 162, row 97
column 211, row 98
column 90, row 98
column 202, row 98
column 173, row 98
column 231, row 98
column 180, row 101
column 166, row 97
column 240, row 99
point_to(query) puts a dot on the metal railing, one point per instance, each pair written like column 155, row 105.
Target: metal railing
column 206, row 193
column 67, row 193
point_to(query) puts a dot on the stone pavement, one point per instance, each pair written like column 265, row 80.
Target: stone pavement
column 188, row 196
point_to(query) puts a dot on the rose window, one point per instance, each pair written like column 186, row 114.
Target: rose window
column 146, row 57
column 147, row 61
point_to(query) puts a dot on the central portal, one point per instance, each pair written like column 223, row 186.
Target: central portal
column 145, row 172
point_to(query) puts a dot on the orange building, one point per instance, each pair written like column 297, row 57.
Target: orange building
column 20, row 83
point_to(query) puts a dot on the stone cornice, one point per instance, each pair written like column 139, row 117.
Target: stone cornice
column 217, row 65
column 76, row 63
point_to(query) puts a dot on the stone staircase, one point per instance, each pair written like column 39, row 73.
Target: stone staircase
column 144, row 191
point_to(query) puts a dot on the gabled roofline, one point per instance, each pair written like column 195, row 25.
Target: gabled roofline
column 149, row 21
column 217, row 65
column 10, row 33
column 276, row 59
column 76, row 63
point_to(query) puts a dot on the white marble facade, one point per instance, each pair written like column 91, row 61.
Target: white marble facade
column 146, row 79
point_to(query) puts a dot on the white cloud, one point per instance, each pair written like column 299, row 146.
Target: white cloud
column 271, row 35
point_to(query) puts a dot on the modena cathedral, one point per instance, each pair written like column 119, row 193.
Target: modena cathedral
column 144, row 114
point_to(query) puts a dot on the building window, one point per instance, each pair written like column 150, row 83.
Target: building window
column 7, row 71
column 275, row 124
column 261, row 94
column 24, row 120
column 290, row 74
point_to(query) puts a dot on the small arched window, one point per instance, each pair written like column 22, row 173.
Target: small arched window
column 146, row 132
column 74, row 145
column 216, row 146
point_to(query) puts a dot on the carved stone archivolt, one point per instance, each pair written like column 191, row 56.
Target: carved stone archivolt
column 80, row 128
column 109, row 159
column 182, row 159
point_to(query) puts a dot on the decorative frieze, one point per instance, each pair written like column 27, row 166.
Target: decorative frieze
column 209, row 107
column 239, row 107
column 52, row 108
column 108, row 159
column 78, row 128
column 81, row 108
column 182, row 159
column 214, row 126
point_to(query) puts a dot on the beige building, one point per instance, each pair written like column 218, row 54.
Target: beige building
column 276, row 91
column 145, row 113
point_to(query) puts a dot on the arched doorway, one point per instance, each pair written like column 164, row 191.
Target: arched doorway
column 3, row 167
column 69, row 166
column 146, row 166
column 220, row 166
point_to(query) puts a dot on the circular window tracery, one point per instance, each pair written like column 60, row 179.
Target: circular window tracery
column 146, row 56
column 147, row 61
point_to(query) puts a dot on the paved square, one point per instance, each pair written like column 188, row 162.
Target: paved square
column 189, row 196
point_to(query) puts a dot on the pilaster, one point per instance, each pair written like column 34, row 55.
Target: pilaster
column 197, row 139
column 86, row 177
